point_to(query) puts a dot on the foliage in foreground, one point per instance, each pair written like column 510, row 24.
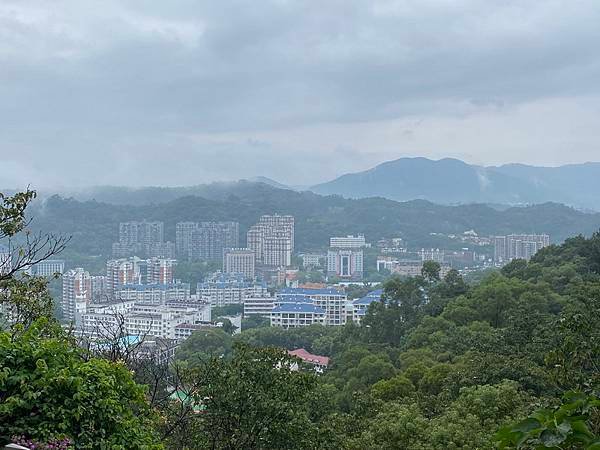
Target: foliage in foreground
column 49, row 391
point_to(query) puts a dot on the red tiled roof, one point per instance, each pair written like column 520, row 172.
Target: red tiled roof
column 309, row 357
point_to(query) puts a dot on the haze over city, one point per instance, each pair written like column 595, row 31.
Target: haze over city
column 182, row 92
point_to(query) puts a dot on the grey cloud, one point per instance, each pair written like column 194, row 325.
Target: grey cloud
column 122, row 79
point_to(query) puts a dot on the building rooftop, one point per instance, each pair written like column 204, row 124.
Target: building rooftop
column 307, row 291
column 293, row 298
column 309, row 357
column 298, row 308
column 369, row 298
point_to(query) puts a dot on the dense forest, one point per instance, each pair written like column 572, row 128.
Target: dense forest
column 509, row 362
column 94, row 226
column 439, row 364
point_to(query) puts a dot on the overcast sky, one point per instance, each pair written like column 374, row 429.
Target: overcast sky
column 186, row 92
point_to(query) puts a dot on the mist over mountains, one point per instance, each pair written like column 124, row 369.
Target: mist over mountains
column 451, row 181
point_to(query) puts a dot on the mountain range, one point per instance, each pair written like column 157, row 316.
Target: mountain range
column 451, row 181
column 94, row 225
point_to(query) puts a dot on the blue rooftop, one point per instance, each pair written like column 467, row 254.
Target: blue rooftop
column 371, row 297
column 298, row 308
column 305, row 291
column 293, row 298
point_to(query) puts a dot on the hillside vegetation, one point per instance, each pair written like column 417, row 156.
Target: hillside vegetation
column 94, row 225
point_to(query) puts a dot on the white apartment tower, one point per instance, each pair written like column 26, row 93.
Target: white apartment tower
column 239, row 260
column 120, row 272
column 272, row 240
column 77, row 293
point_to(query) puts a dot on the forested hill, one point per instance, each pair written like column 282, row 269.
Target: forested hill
column 94, row 225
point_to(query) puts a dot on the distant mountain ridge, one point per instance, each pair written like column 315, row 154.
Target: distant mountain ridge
column 94, row 225
column 452, row 181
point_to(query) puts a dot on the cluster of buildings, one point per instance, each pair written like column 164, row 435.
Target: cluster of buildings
column 518, row 246
column 139, row 295
column 143, row 296
column 299, row 307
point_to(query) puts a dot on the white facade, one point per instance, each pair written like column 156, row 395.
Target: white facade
column 272, row 240
column 407, row 268
column 258, row 306
column 331, row 301
column 154, row 293
column 239, row 260
column 518, row 246
column 294, row 315
column 349, row 241
column 345, row 263
column 312, row 259
column 47, row 268
column 141, row 320
column 77, row 293
column 436, row 255
column 228, row 289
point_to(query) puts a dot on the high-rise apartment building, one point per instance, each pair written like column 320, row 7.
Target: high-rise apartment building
column 183, row 236
column 77, row 293
column 159, row 270
column 122, row 271
column 99, row 289
column 345, row 263
column 208, row 241
column 272, row 240
column 239, row 260
column 518, row 246
column 140, row 237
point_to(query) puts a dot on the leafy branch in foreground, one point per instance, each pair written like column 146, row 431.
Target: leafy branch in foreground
column 573, row 425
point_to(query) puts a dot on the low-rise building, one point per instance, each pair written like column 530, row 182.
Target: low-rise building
column 330, row 300
column 258, row 306
column 228, row 289
column 47, row 268
column 100, row 321
column 360, row 305
column 156, row 294
column 294, row 315
column 319, row 363
column 408, row 268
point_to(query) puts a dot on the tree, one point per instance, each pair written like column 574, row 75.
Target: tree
column 29, row 248
column 431, row 271
column 252, row 401
column 48, row 391
column 205, row 344
column 575, row 424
